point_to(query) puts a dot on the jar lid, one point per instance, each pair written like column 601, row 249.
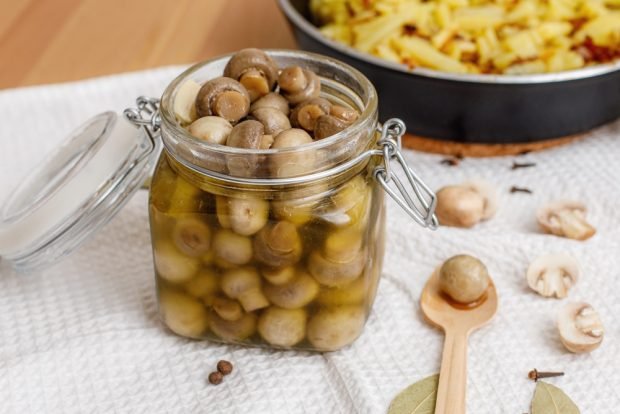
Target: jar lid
column 77, row 188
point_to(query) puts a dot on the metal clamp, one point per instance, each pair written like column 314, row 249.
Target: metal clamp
column 146, row 114
column 423, row 209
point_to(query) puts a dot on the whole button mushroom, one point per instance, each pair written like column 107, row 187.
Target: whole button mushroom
column 238, row 330
column 212, row 129
column 343, row 113
column 337, row 263
column 307, row 112
column 183, row 314
column 192, row 236
column 172, row 265
column 232, row 247
column 255, row 70
column 184, row 106
column 581, row 328
column 553, row 274
column 271, row 100
column 282, row 327
column 466, row 205
column 247, row 215
column 272, row 119
column 224, row 97
column 565, row 219
column 248, row 134
column 327, row 125
column 296, row 162
column 298, row 84
column 333, row 328
column 227, row 309
column 464, row 278
column 244, row 285
column 296, row 293
column 278, row 244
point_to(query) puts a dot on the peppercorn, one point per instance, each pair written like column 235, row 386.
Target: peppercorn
column 224, row 367
column 215, row 377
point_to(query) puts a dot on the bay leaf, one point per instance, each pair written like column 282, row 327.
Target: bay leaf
column 418, row 398
column 549, row 399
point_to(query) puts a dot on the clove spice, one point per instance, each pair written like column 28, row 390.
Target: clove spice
column 515, row 189
column 535, row 375
column 517, row 165
column 452, row 162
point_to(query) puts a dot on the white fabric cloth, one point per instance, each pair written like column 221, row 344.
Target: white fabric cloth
column 83, row 336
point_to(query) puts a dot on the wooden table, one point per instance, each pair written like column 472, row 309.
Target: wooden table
column 44, row 41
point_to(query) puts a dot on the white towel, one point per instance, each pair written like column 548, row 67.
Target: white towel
column 83, row 336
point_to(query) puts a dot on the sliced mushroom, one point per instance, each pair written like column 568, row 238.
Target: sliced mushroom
column 247, row 215
column 227, row 309
column 183, row 314
column 298, row 292
column 278, row 275
column 307, row 112
column 184, row 106
column 296, row 162
column 212, row 129
column 244, row 285
column 333, row 328
column 272, row 119
column 255, row 70
column 233, row 331
column 298, row 84
column 192, row 236
column 232, row 247
column 203, row 285
column 459, row 206
column 278, row 244
column 581, row 328
column 173, row 265
column 464, row 278
column 553, row 274
column 328, row 125
column 282, row 327
column 565, row 219
column 271, row 100
column 224, row 97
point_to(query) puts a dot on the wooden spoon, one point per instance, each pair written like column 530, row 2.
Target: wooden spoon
column 457, row 321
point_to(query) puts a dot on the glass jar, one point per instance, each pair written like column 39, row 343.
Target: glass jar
column 278, row 248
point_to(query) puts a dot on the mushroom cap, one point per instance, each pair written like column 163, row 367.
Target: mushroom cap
column 565, row 218
column 246, row 134
column 328, row 125
column 271, row 100
column 580, row 326
column 252, row 59
column 459, row 206
column 489, row 195
column 278, row 244
column 274, row 120
column 348, row 115
column 212, row 129
column 298, row 84
column 207, row 98
column 305, row 114
column 553, row 274
column 291, row 138
column 464, row 278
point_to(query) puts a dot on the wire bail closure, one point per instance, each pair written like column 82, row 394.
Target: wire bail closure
column 422, row 210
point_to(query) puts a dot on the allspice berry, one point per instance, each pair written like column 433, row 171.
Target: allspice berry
column 224, row 367
column 216, row 377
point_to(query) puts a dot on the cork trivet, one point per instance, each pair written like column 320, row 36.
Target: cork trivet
column 480, row 150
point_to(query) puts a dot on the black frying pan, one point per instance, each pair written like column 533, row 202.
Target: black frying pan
column 476, row 108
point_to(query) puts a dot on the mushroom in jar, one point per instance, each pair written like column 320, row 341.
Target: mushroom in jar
column 307, row 112
column 278, row 244
column 248, row 134
column 278, row 275
column 247, row 215
column 232, row 247
column 238, row 330
column 204, row 285
column 183, row 314
column 244, row 285
column 172, row 265
column 272, row 119
column 224, row 97
column 553, row 274
column 341, row 260
column 255, row 70
column 464, row 279
column 349, row 205
column 298, row 84
column 191, row 236
column 333, row 328
column 338, row 119
column 565, row 219
column 212, row 129
column 271, row 100
column 227, row 309
column 465, row 205
column 184, row 106
column 282, row 327
column 295, row 162
column 581, row 328
column 296, row 293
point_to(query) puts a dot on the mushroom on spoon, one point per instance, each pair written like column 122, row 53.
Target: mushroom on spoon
column 458, row 320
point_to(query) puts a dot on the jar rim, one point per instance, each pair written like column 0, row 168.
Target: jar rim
column 169, row 121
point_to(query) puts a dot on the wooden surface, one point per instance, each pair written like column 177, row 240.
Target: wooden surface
column 44, row 41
